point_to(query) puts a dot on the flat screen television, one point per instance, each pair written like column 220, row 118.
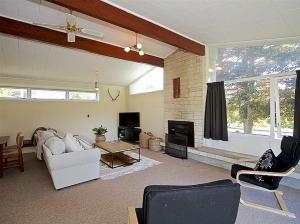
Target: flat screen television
column 129, row 119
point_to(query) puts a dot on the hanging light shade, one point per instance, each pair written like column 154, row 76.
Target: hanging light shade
column 96, row 82
column 141, row 53
column 97, row 85
column 137, row 47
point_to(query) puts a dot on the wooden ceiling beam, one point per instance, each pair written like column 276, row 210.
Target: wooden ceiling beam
column 111, row 14
column 41, row 34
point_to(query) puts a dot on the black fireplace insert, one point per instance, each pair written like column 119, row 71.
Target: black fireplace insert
column 182, row 128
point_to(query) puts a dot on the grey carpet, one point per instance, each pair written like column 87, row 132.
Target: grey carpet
column 29, row 197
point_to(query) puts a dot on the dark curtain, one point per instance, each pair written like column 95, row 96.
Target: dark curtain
column 297, row 108
column 215, row 122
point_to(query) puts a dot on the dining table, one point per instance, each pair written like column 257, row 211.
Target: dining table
column 3, row 143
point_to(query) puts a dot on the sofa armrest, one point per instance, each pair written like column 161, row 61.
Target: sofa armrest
column 70, row 159
column 132, row 218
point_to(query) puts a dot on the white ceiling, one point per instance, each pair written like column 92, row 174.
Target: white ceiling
column 222, row 21
column 27, row 59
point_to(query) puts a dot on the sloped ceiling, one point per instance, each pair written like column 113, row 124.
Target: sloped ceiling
column 222, row 21
column 27, row 59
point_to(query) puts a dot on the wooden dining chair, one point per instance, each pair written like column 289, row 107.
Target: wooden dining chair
column 12, row 155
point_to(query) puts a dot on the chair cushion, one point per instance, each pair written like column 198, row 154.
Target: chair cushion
column 288, row 158
column 267, row 162
column 189, row 204
column 249, row 178
column 152, row 188
column 56, row 145
column 290, row 153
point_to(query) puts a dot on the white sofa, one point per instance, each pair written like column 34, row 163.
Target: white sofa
column 72, row 168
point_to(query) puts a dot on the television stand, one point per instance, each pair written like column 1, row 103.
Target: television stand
column 129, row 134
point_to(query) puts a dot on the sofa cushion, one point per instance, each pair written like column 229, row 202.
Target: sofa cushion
column 56, row 145
column 85, row 142
column 71, row 144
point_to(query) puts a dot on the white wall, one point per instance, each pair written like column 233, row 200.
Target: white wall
column 248, row 144
column 26, row 116
column 151, row 108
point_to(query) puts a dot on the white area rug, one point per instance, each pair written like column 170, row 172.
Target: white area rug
column 107, row 173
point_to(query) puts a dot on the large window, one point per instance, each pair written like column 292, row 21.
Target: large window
column 260, row 86
column 8, row 92
column 241, row 62
column 150, row 82
column 248, row 105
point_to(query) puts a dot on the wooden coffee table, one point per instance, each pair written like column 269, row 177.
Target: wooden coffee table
column 117, row 149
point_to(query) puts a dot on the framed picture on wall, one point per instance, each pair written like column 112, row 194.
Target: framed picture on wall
column 176, row 88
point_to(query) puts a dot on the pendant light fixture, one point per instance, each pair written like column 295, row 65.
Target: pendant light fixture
column 137, row 47
column 96, row 82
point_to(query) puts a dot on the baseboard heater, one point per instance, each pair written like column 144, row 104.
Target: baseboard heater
column 176, row 146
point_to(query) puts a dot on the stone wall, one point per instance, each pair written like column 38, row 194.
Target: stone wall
column 190, row 106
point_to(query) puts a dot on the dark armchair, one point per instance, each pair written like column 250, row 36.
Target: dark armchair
column 287, row 160
column 215, row 202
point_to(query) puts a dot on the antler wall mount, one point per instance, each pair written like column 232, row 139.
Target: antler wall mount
column 113, row 99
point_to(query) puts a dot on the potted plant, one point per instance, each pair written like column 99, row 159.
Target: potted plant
column 100, row 133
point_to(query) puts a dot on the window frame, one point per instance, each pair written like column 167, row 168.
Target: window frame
column 29, row 90
column 276, row 104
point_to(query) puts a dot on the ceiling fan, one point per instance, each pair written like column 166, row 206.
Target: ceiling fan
column 71, row 28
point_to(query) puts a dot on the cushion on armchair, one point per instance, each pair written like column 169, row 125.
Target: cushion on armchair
column 189, row 204
column 288, row 158
column 267, row 162
column 249, row 178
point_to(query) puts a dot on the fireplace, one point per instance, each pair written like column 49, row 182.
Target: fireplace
column 182, row 128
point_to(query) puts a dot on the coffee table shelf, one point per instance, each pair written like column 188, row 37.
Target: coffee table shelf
column 117, row 149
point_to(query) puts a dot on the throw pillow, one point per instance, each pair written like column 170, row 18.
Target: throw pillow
column 56, row 145
column 267, row 162
column 71, row 144
column 84, row 142
column 45, row 134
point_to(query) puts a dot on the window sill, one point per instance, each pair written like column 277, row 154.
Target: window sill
column 242, row 134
